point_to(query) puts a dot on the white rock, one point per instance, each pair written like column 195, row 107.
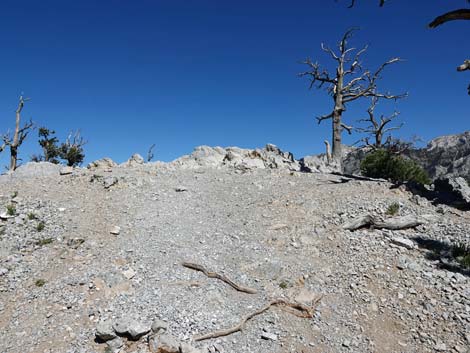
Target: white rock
column 130, row 273
column 66, row 170
column 105, row 331
column 159, row 325
column 137, row 329
column 115, row 344
column 115, row 230
column 5, row 216
column 164, row 344
column 269, row 336
column 406, row 243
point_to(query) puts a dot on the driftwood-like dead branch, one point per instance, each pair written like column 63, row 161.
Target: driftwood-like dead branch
column 460, row 14
column 465, row 66
column 216, row 275
column 294, row 308
column 392, row 223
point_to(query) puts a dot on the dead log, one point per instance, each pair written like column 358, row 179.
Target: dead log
column 392, row 223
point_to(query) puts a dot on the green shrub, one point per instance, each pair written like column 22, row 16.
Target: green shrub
column 31, row 216
column 393, row 209
column 11, row 210
column 45, row 241
column 40, row 227
column 384, row 164
column 461, row 253
column 40, row 282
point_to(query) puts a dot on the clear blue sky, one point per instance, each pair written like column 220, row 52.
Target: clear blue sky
column 185, row 73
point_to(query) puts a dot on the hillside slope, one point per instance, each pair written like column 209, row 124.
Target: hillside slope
column 277, row 231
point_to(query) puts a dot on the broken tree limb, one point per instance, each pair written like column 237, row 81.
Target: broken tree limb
column 294, row 308
column 223, row 278
column 460, row 14
column 392, row 223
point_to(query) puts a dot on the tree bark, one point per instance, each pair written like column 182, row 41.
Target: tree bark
column 15, row 143
column 337, row 113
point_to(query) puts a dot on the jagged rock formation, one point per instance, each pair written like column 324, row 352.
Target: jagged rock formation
column 269, row 157
column 103, row 163
column 444, row 156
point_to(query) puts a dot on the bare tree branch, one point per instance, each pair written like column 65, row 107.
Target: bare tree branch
column 24, row 131
column 465, row 66
column 329, row 51
column 150, row 154
column 316, row 74
column 377, row 128
column 324, row 117
column 348, row 128
column 460, row 14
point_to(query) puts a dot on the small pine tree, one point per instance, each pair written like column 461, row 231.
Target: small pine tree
column 72, row 150
column 385, row 164
column 48, row 142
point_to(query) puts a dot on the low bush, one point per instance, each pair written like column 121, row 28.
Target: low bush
column 393, row 209
column 387, row 165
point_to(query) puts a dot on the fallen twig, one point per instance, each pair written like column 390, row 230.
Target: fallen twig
column 393, row 223
column 294, row 308
column 219, row 276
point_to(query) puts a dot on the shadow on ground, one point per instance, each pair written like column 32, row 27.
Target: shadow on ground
column 441, row 195
column 455, row 258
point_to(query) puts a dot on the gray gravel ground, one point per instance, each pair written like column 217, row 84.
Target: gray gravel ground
column 277, row 231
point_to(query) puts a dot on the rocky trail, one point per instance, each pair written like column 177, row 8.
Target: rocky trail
column 104, row 272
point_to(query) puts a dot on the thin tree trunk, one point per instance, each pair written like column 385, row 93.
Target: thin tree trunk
column 14, row 145
column 337, row 153
column 378, row 139
column 337, row 112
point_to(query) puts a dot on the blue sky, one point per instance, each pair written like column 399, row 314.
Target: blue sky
column 185, row 73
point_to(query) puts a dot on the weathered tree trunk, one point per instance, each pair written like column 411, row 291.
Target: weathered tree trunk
column 15, row 143
column 336, row 119
column 337, row 138
column 378, row 139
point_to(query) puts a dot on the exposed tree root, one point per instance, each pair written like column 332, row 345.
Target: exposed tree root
column 219, row 276
column 294, row 308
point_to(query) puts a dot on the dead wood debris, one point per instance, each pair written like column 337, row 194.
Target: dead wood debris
column 294, row 308
column 392, row 223
column 219, row 276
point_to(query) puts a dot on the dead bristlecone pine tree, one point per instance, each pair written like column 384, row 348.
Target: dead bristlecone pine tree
column 348, row 83
column 19, row 135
